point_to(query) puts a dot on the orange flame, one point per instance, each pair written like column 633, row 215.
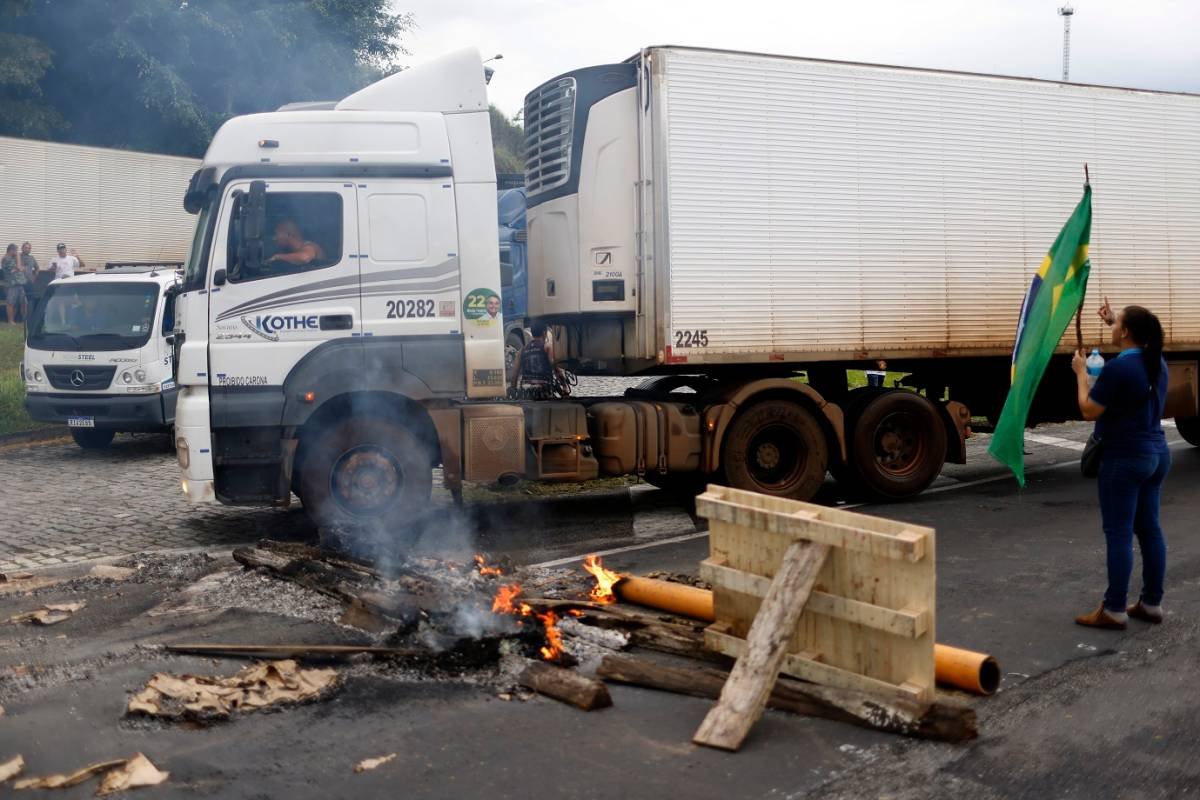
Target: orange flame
column 502, row 603
column 554, row 642
column 602, row 592
column 483, row 568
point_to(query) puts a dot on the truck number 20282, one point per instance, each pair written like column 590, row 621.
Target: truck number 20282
column 404, row 309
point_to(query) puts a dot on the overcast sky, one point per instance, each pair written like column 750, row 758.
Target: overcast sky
column 1139, row 43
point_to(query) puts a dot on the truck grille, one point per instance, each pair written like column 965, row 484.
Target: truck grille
column 549, row 129
column 81, row 378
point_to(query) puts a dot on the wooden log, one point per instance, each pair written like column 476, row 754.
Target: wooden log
column 565, row 685
column 308, row 552
column 745, row 694
column 943, row 722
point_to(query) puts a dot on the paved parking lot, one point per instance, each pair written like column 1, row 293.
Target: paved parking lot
column 64, row 505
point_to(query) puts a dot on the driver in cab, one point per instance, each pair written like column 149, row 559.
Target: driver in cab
column 293, row 248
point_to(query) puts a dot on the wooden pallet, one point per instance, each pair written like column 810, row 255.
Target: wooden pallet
column 868, row 622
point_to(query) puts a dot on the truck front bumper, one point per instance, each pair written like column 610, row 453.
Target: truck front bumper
column 119, row 412
column 193, row 445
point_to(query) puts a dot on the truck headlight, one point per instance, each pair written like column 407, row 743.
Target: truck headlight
column 140, row 374
column 126, row 377
column 37, row 376
column 181, row 453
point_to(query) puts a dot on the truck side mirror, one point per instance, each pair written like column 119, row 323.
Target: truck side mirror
column 249, row 223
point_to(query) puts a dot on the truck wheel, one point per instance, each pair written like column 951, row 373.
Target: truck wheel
column 897, row 444
column 361, row 471
column 778, row 448
column 856, row 401
column 93, row 438
column 1189, row 429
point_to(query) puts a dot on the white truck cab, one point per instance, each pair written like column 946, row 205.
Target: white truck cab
column 98, row 356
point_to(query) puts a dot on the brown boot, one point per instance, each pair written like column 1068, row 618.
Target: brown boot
column 1151, row 614
column 1100, row 618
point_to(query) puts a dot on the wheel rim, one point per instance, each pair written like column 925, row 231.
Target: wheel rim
column 898, row 443
column 776, row 456
column 366, row 480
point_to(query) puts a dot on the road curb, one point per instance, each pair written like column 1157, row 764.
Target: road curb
column 35, row 436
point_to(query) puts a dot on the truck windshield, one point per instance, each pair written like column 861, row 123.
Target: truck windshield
column 94, row 316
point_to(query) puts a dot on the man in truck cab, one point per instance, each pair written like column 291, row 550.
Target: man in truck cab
column 293, row 248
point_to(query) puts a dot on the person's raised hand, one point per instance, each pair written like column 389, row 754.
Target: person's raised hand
column 1105, row 313
column 1079, row 363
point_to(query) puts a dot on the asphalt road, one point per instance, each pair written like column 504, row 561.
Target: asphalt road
column 1082, row 713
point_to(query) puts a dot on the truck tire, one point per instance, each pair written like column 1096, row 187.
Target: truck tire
column 360, row 472
column 1189, row 429
column 776, row 447
column 93, row 438
column 897, row 444
column 856, row 401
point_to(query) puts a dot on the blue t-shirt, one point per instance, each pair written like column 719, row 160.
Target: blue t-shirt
column 1132, row 420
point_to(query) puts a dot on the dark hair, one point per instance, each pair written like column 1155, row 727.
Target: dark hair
column 1145, row 329
column 539, row 329
column 10, row 247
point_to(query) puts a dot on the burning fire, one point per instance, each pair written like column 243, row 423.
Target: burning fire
column 602, row 592
column 484, row 569
column 503, row 603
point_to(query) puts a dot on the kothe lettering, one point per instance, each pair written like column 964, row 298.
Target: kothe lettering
column 277, row 323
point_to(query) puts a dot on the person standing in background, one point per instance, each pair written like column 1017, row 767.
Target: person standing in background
column 9, row 264
column 32, row 290
column 1127, row 404
column 65, row 264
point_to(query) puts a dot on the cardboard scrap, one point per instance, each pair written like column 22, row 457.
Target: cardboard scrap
column 119, row 775
column 11, row 768
column 133, row 774
column 49, row 614
column 71, row 779
column 257, row 686
column 12, row 577
column 372, row 763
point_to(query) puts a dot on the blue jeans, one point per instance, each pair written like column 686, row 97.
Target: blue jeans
column 1130, row 486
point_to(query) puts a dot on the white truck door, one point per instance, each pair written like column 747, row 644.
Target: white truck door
column 265, row 318
column 409, row 258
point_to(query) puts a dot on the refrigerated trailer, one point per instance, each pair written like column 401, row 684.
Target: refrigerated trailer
column 742, row 229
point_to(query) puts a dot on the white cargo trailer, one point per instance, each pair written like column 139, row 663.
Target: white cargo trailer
column 707, row 208
column 110, row 205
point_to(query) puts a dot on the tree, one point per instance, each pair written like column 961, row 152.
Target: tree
column 24, row 62
column 162, row 75
column 507, row 143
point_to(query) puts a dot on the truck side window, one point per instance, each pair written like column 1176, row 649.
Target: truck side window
column 303, row 233
column 168, row 320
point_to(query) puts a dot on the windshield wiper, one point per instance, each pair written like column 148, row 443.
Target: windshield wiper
column 40, row 336
column 120, row 336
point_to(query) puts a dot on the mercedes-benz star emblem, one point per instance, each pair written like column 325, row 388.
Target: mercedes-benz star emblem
column 77, row 378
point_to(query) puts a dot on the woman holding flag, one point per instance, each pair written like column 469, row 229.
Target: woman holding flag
column 1127, row 404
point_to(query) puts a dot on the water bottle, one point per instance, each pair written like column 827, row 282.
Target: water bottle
column 1095, row 363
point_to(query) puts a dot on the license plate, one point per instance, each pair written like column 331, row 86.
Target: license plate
column 81, row 422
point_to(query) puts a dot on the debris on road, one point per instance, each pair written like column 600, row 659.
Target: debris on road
column 565, row 685
column 13, row 577
column 368, row 764
column 257, row 686
column 119, row 775
column 11, row 768
column 49, row 614
column 133, row 774
column 111, row 572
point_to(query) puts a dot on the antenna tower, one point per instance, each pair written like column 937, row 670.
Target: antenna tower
column 1066, row 12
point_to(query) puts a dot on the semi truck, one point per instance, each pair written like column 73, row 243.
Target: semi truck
column 110, row 205
column 741, row 229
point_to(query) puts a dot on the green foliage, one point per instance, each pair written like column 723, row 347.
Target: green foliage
column 507, row 138
column 12, row 389
column 162, row 75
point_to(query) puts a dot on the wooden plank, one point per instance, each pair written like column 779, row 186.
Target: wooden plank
column 745, row 694
column 807, row 669
column 909, row 542
column 942, row 721
column 910, row 623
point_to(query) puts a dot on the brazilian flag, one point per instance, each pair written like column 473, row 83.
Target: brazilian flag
column 1053, row 298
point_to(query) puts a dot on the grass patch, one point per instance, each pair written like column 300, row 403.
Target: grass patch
column 12, row 389
column 856, row 378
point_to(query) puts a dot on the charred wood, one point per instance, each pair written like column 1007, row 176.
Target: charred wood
column 565, row 685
